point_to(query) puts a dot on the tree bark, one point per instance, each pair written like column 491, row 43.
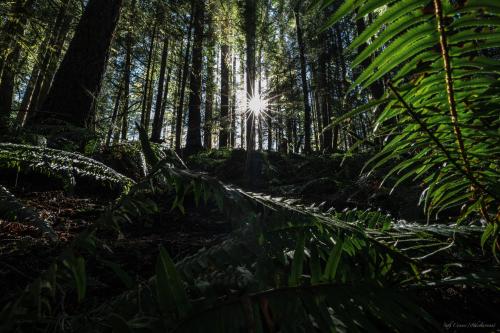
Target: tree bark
column 210, row 86
column 50, row 49
column 305, row 89
column 232, row 136
column 49, row 67
column 224, row 96
column 250, row 34
column 146, row 92
column 193, row 139
column 112, row 124
column 158, row 118
column 179, row 115
column 324, row 104
column 126, row 83
column 10, row 51
column 78, row 81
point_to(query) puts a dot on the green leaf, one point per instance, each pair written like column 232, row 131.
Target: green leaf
column 333, row 261
column 298, row 261
column 170, row 288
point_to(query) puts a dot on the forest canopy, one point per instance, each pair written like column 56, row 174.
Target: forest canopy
column 249, row 165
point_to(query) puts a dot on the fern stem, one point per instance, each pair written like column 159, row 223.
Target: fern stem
column 449, row 84
column 426, row 129
column 453, row 104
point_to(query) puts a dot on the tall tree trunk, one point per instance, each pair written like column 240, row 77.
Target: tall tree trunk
column 232, row 136
column 116, row 108
column 193, row 139
column 12, row 29
column 250, row 34
column 324, row 105
column 127, row 76
column 176, row 94
column 51, row 48
column 10, row 51
column 242, row 114
column 158, row 118
column 147, row 85
column 210, row 86
column 305, row 89
column 165, row 101
column 78, row 81
column 180, row 109
column 224, row 96
column 49, row 66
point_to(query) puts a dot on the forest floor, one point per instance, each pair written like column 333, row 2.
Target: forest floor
column 316, row 180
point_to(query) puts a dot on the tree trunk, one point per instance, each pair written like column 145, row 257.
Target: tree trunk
column 12, row 29
column 210, row 86
column 232, row 136
column 193, row 139
column 10, row 50
column 305, row 89
column 224, row 96
column 147, row 85
column 324, row 105
column 112, row 124
column 50, row 49
column 242, row 114
column 78, row 81
column 250, row 33
column 126, row 83
column 179, row 117
column 158, row 118
column 49, row 67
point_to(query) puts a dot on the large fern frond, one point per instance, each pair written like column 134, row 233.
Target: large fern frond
column 58, row 162
column 442, row 108
column 12, row 209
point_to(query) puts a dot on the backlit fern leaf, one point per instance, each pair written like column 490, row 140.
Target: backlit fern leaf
column 59, row 162
column 441, row 112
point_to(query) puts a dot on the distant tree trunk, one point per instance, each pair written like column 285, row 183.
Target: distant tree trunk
column 193, row 140
column 34, row 78
column 146, row 92
column 10, row 50
column 165, row 100
column 78, row 81
column 210, row 86
column 12, row 29
column 242, row 114
column 314, row 122
column 342, row 65
column 178, row 122
column 116, row 108
column 49, row 67
column 126, row 83
column 224, row 96
column 305, row 89
column 50, row 49
column 250, row 34
column 232, row 137
column 177, row 93
column 158, row 118
column 324, row 105
column 269, row 132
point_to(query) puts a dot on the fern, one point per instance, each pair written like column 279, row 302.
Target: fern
column 284, row 266
column 55, row 163
column 12, row 209
column 442, row 105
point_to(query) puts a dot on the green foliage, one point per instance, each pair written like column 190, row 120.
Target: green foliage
column 59, row 163
column 13, row 210
column 441, row 117
column 285, row 267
